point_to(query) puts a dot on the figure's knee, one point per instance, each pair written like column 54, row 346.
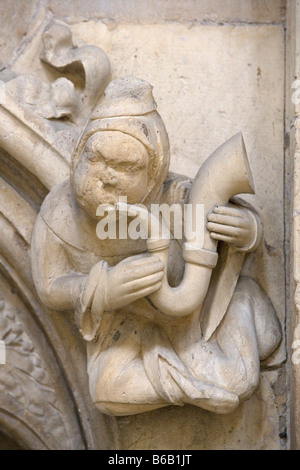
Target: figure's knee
column 108, row 382
column 126, row 409
column 267, row 325
column 241, row 377
column 250, row 384
column 121, row 388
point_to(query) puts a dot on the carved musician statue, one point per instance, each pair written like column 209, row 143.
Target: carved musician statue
column 166, row 322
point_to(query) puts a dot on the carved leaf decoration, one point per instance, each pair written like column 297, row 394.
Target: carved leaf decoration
column 54, row 100
column 87, row 66
column 41, row 122
column 26, row 388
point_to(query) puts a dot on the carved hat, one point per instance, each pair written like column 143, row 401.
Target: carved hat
column 128, row 106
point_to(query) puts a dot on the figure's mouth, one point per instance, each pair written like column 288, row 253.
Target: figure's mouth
column 110, row 182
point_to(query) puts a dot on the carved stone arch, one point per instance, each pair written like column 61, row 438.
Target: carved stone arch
column 6, row 443
column 41, row 122
column 43, row 349
column 35, row 398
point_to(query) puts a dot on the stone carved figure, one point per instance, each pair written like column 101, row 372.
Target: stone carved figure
column 165, row 322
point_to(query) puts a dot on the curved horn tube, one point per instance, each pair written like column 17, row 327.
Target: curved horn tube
column 224, row 174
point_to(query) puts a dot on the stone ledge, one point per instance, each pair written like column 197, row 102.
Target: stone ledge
column 156, row 11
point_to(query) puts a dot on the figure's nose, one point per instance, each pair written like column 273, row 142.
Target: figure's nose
column 109, row 177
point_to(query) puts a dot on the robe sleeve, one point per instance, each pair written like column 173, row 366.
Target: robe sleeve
column 61, row 288
column 56, row 283
column 91, row 301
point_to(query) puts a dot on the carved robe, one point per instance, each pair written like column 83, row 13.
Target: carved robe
column 138, row 358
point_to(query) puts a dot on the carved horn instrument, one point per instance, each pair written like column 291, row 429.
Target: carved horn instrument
column 223, row 175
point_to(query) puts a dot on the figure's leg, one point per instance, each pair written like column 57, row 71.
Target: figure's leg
column 174, row 381
column 250, row 332
column 267, row 326
column 118, row 382
column 138, row 370
column 135, row 367
column 238, row 365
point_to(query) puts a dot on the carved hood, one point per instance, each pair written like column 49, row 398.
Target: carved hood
column 128, row 106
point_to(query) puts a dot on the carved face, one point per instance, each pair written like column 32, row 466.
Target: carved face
column 112, row 164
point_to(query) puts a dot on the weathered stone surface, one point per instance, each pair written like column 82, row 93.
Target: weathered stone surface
column 14, row 31
column 210, row 80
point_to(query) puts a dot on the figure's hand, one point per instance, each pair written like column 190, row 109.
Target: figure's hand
column 131, row 279
column 231, row 225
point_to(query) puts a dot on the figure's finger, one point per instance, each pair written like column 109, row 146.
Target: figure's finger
column 142, row 283
column 142, row 293
column 137, row 272
column 227, row 220
column 223, row 238
column 225, row 210
column 226, row 230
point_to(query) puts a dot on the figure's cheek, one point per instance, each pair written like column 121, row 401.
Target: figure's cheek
column 137, row 190
column 81, row 175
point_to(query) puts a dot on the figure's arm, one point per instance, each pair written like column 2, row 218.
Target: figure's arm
column 112, row 287
column 57, row 285
column 104, row 288
column 236, row 223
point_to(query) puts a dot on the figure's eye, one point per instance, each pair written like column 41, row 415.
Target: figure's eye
column 129, row 167
column 95, row 156
column 92, row 157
